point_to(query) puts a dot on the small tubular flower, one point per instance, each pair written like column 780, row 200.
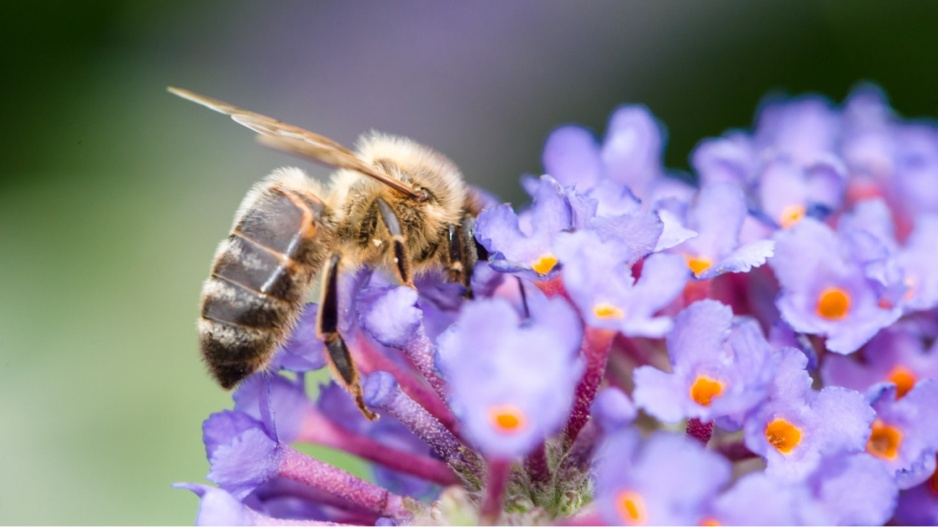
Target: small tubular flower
column 719, row 369
column 637, row 478
column 505, row 412
column 824, row 291
column 797, row 427
column 904, row 435
column 717, row 216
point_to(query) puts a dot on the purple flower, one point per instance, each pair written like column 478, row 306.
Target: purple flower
column 302, row 351
column 390, row 315
column 619, row 215
column 797, row 427
column 869, row 233
column 894, row 355
column 636, row 480
column 218, row 507
column 717, row 217
column 845, row 490
column 918, row 505
column 905, row 433
column 571, row 156
column 630, row 155
column 244, row 459
column 804, row 129
column 853, row 490
column 598, row 277
column 917, row 260
column 757, row 499
column 719, row 369
column 889, row 158
column 484, row 357
column 787, row 192
column 613, row 410
column 824, row 290
column 728, row 159
column 527, row 246
column 287, row 401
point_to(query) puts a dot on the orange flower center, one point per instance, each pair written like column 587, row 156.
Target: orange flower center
column 833, row 303
column 782, row 435
column 698, row 264
column 544, row 263
column 705, row 389
column 791, row 215
column 903, row 378
column 605, row 311
column 507, row 418
column 631, row 508
column 884, row 441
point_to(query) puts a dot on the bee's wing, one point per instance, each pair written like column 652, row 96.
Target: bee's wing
column 291, row 139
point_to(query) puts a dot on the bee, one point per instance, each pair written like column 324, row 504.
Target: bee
column 393, row 205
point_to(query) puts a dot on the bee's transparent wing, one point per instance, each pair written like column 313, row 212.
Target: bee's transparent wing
column 292, row 139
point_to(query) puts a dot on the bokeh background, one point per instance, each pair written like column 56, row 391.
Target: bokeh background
column 113, row 194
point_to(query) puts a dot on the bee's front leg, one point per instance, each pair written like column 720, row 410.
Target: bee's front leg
column 461, row 253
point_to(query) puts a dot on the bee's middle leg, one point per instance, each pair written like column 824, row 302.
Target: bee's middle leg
column 402, row 261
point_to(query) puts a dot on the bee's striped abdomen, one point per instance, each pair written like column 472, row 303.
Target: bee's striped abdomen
column 259, row 279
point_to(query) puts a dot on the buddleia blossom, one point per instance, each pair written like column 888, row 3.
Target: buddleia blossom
column 716, row 215
column 719, row 369
column 825, row 289
column 626, row 356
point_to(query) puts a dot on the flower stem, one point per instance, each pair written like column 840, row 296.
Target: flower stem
column 536, row 465
column 696, row 290
column 495, row 483
column 370, row 497
column 383, row 392
column 699, row 430
column 372, row 360
column 319, row 429
column 580, row 455
column 420, row 352
column 552, row 287
column 596, row 345
column 736, row 451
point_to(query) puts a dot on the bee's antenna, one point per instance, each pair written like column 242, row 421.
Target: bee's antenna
column 524, row 298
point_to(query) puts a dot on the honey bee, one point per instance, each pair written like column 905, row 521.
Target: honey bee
column 410, row 213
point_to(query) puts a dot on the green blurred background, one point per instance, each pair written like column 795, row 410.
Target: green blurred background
column 113, row 194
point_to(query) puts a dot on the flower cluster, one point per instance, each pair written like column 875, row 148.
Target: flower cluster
column 755, row 348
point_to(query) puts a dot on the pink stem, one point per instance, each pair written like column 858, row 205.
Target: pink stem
column 596, row 345
column 372, row 360
column 581, row 452
column 420, row 352
column 696, row 290
column 495, row 483
column 552, row 287
column 699, row 430
column 368, row 496
column 736, row 451
column 319, row 429
column 536, row 465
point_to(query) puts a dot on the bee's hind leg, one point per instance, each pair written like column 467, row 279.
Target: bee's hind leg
column 327, row 328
